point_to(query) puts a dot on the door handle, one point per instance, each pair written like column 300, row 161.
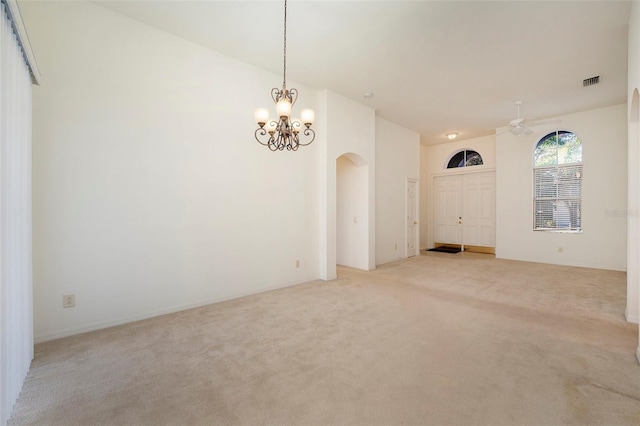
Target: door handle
column 415, row 223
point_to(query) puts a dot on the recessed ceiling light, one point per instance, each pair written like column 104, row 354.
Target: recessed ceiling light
column 451, row 136
column 368, row 95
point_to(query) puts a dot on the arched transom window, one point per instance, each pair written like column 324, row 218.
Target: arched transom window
column 557, row 183
column 464, row 158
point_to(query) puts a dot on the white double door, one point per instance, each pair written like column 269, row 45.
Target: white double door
column 465, row 211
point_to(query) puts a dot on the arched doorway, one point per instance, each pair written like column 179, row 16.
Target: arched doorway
column 352, row 211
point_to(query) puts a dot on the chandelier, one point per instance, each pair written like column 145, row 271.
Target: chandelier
column 283, row 132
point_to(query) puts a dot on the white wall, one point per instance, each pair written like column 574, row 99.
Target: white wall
column 150, row 192
column 352, row 205
column 602, row 244
column 349, row 129
column 433, row 162
column 397, row 159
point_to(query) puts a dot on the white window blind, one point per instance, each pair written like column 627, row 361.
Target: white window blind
column 558, row 197
column 16, row 312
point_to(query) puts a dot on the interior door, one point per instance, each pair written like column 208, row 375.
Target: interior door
column 448, row 209
column 412, row 218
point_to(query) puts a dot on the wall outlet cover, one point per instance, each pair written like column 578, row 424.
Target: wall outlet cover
column 68, row 300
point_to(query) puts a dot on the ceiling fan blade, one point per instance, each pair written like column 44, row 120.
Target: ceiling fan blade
column 517, row 130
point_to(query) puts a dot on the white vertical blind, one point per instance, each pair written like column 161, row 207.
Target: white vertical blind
column 16, row 306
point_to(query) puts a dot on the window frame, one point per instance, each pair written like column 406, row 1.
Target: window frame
column 563, row 184
column 465, row 159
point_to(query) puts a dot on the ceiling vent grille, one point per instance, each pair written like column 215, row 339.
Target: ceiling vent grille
column 591, row 81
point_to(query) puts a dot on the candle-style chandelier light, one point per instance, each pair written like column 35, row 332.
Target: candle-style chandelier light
column 283, row 132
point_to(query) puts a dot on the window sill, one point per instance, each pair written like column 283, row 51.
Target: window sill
column 559, row 231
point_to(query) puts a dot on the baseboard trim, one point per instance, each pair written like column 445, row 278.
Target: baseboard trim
column 151, row 314
column 631, row 318
column 394, row 259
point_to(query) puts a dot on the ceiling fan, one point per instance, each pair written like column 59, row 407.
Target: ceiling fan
column 521, row 126
column 517, row 126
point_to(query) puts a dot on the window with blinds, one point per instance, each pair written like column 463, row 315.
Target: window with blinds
column 557, row 183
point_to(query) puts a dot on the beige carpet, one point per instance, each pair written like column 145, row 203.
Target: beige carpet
column 451, row 339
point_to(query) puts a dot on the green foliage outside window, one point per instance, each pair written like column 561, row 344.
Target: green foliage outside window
column 558, row 148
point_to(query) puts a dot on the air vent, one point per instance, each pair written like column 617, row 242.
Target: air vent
column 591, row 81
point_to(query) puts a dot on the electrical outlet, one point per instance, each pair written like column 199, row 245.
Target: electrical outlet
column 68, row 300
column 560, row 250
column 298, row 263
column 396, row 246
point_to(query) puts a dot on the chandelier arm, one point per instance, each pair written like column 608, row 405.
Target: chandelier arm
column 286, row 136
column 309, row 132
column 296, row 144
column 283, row 141
column 293, row 95
column 261, row 132
column 273, row 142
column 275, row 94
column 277, row 140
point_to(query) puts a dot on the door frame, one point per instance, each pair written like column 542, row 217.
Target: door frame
column 432, row 201
column 416, row 218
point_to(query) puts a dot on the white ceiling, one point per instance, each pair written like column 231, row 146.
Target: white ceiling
column 433, row 66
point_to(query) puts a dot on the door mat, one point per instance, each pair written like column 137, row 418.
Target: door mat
column 446, row 249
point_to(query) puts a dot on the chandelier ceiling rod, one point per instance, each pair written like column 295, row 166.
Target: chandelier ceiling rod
column 284, row 54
